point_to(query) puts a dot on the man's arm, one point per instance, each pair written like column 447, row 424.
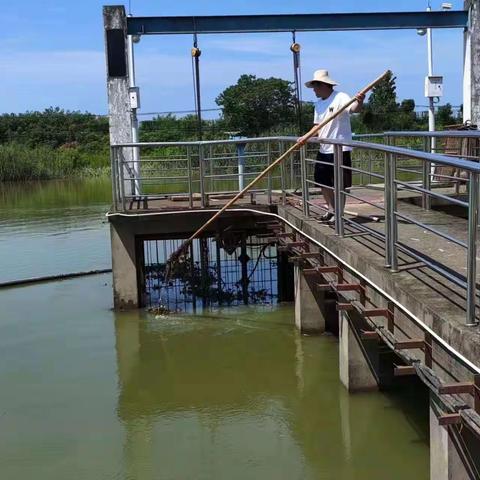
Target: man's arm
column 304, row 137
column 357, row 106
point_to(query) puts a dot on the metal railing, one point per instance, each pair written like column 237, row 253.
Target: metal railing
column 200, row 172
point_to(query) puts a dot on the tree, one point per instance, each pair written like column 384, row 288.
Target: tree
column 444, row 115
column 255, row 105
column 381, row 109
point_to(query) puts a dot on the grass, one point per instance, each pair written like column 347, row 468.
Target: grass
column 21, row 163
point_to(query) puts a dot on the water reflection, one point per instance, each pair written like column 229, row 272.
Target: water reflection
column 239, row 394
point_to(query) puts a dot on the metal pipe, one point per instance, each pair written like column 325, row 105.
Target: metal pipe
column 472, row 249
column 303, row 175
column 190, row 179
column 338, row 188
column 431, row 105
column 269, row 178
column 113, row 168
column 133, row 115
column 283, row 174
column 203, row 199
column 122, row 180
column 394, row 222
column 388, row 209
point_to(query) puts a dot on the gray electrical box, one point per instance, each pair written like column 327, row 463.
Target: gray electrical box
column 433, row 86
column 134, row 94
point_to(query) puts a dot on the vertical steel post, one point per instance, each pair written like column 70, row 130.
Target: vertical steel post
column 203, row 196
column 283, row 173
column 241, row 165
column 303, row 175
column 113, row 168
column 122, row 179
column 426, row 179
column 338, row 187
column 387, row 199
column 190, row 180
column 269, row 178
column 133, row 116
column 394, row 221
column 472, row 248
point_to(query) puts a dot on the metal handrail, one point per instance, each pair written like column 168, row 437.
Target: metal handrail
column 295, row 174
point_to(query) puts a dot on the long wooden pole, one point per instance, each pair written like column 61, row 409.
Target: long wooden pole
column 294, row 147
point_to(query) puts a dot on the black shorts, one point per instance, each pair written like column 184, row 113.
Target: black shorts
column 324, row 173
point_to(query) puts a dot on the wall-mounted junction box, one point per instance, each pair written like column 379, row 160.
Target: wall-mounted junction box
column 134, row 94
column 433, row 86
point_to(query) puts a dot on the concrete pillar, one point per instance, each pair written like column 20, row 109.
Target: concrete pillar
column 308, row 316
column 445, row 461
column 355, row 371
column 120, row 119
column 471, row 100
column 124, row 267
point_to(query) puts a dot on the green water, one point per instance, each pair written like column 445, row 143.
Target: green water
column 87, row 393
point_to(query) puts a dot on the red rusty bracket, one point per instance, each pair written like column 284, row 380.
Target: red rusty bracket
column 409, row 344
column 376, row 312
column 304, row 255
column 449, row 419
column 348, row 287
column 369, row 335
column 286, row 235
column 344, row 306
column 460, row 387
column 403, row 370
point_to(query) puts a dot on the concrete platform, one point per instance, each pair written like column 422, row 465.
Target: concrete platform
column 439, row 303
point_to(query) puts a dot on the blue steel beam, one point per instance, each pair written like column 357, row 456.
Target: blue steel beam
column 299, row 23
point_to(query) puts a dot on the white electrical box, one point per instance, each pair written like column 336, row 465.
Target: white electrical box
column 433, row 86
column 134, row 94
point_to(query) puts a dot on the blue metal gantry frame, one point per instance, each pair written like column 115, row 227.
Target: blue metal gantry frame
column 299, row 22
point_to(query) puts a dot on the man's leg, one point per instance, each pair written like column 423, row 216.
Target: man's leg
column 329, row 197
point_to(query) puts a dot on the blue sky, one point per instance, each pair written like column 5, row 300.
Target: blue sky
column 52, row 53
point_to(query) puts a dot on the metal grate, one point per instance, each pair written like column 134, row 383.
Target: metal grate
column 231, row 269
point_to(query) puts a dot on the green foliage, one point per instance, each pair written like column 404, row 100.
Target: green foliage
column 54, row 128
column 255, row 105
column 19, row 162
column 444, row 116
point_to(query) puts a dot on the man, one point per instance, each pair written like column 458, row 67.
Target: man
column 329, row 101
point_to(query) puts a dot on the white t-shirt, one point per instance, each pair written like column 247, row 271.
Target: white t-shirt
column 339, row 127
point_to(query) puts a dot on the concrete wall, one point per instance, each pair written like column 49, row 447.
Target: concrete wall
column 355, row 371
column 309, row 317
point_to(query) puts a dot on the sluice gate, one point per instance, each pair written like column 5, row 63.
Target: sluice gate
column 232, row 268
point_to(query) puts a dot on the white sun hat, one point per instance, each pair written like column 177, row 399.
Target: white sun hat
column 320, row 76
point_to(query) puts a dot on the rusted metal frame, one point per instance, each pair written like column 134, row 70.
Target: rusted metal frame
column 449, row 419
column 369, row 335
column 410, row 345
column 469, row 388
column 404, row 370
column 305, row 256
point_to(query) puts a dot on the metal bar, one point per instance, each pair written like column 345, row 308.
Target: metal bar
column 202, row 176
column 122, row 180
column 403, row 370
column 409, row 186
column 190, row 182
column 299, row 22
column 394, row 222
column 338, row 187
column 269, row 178
column 113, row 167
column 472, row 249
column 303, row 175
column 426, row 179
column 388, row 208
column 433, row 230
